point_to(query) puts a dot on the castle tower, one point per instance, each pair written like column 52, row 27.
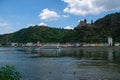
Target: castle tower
column 85, row 21
column 91, row 21
column 82, row 22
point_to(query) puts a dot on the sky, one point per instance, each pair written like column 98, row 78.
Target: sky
column 19, row 14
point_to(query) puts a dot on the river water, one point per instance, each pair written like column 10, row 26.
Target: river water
column 64, row 63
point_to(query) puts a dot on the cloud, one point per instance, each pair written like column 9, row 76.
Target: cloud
column 42, row 24
column 30, row 25
column 5, row 28
column 65, row 16
column 46, row 14
column 3, row 24
column 68, row 27
column 84, row 7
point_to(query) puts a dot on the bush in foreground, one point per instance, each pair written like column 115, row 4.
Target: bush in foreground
column 9, row 73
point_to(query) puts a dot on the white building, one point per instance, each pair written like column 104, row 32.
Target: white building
column 14, row 44
column 117, row 44
column 110, row 41
column 29, row 44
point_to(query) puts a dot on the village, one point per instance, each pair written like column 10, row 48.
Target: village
column 39, row 44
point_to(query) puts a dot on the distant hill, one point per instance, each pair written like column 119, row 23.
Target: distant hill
column 91, row 33
column 34, row 34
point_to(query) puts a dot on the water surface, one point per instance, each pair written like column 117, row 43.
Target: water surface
column 64, row 64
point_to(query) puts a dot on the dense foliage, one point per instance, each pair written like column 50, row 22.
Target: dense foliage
column 34, row 34
column 9, row 73
column 88, row 34
column 110, row 25
column 96, row 32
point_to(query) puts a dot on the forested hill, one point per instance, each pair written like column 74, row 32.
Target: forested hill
column 98, row 31
column 90, row 33
column 110, row 25
column 34, row 34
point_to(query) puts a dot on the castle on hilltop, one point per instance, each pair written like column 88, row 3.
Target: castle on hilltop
column 84, row 23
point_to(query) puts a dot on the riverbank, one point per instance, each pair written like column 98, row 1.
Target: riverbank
column 99, row 47
column 82, row 47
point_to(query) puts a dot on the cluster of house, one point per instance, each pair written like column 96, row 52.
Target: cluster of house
column 38, row 44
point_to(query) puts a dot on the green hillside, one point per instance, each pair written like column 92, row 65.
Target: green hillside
column 34, row 34
column 110, row 26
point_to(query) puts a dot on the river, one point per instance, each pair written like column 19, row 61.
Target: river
column 64, row 63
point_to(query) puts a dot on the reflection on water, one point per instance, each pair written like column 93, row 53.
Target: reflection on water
column 64, row 63
column 89, row 54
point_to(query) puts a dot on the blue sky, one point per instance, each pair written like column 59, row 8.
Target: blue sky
column 18, row 14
